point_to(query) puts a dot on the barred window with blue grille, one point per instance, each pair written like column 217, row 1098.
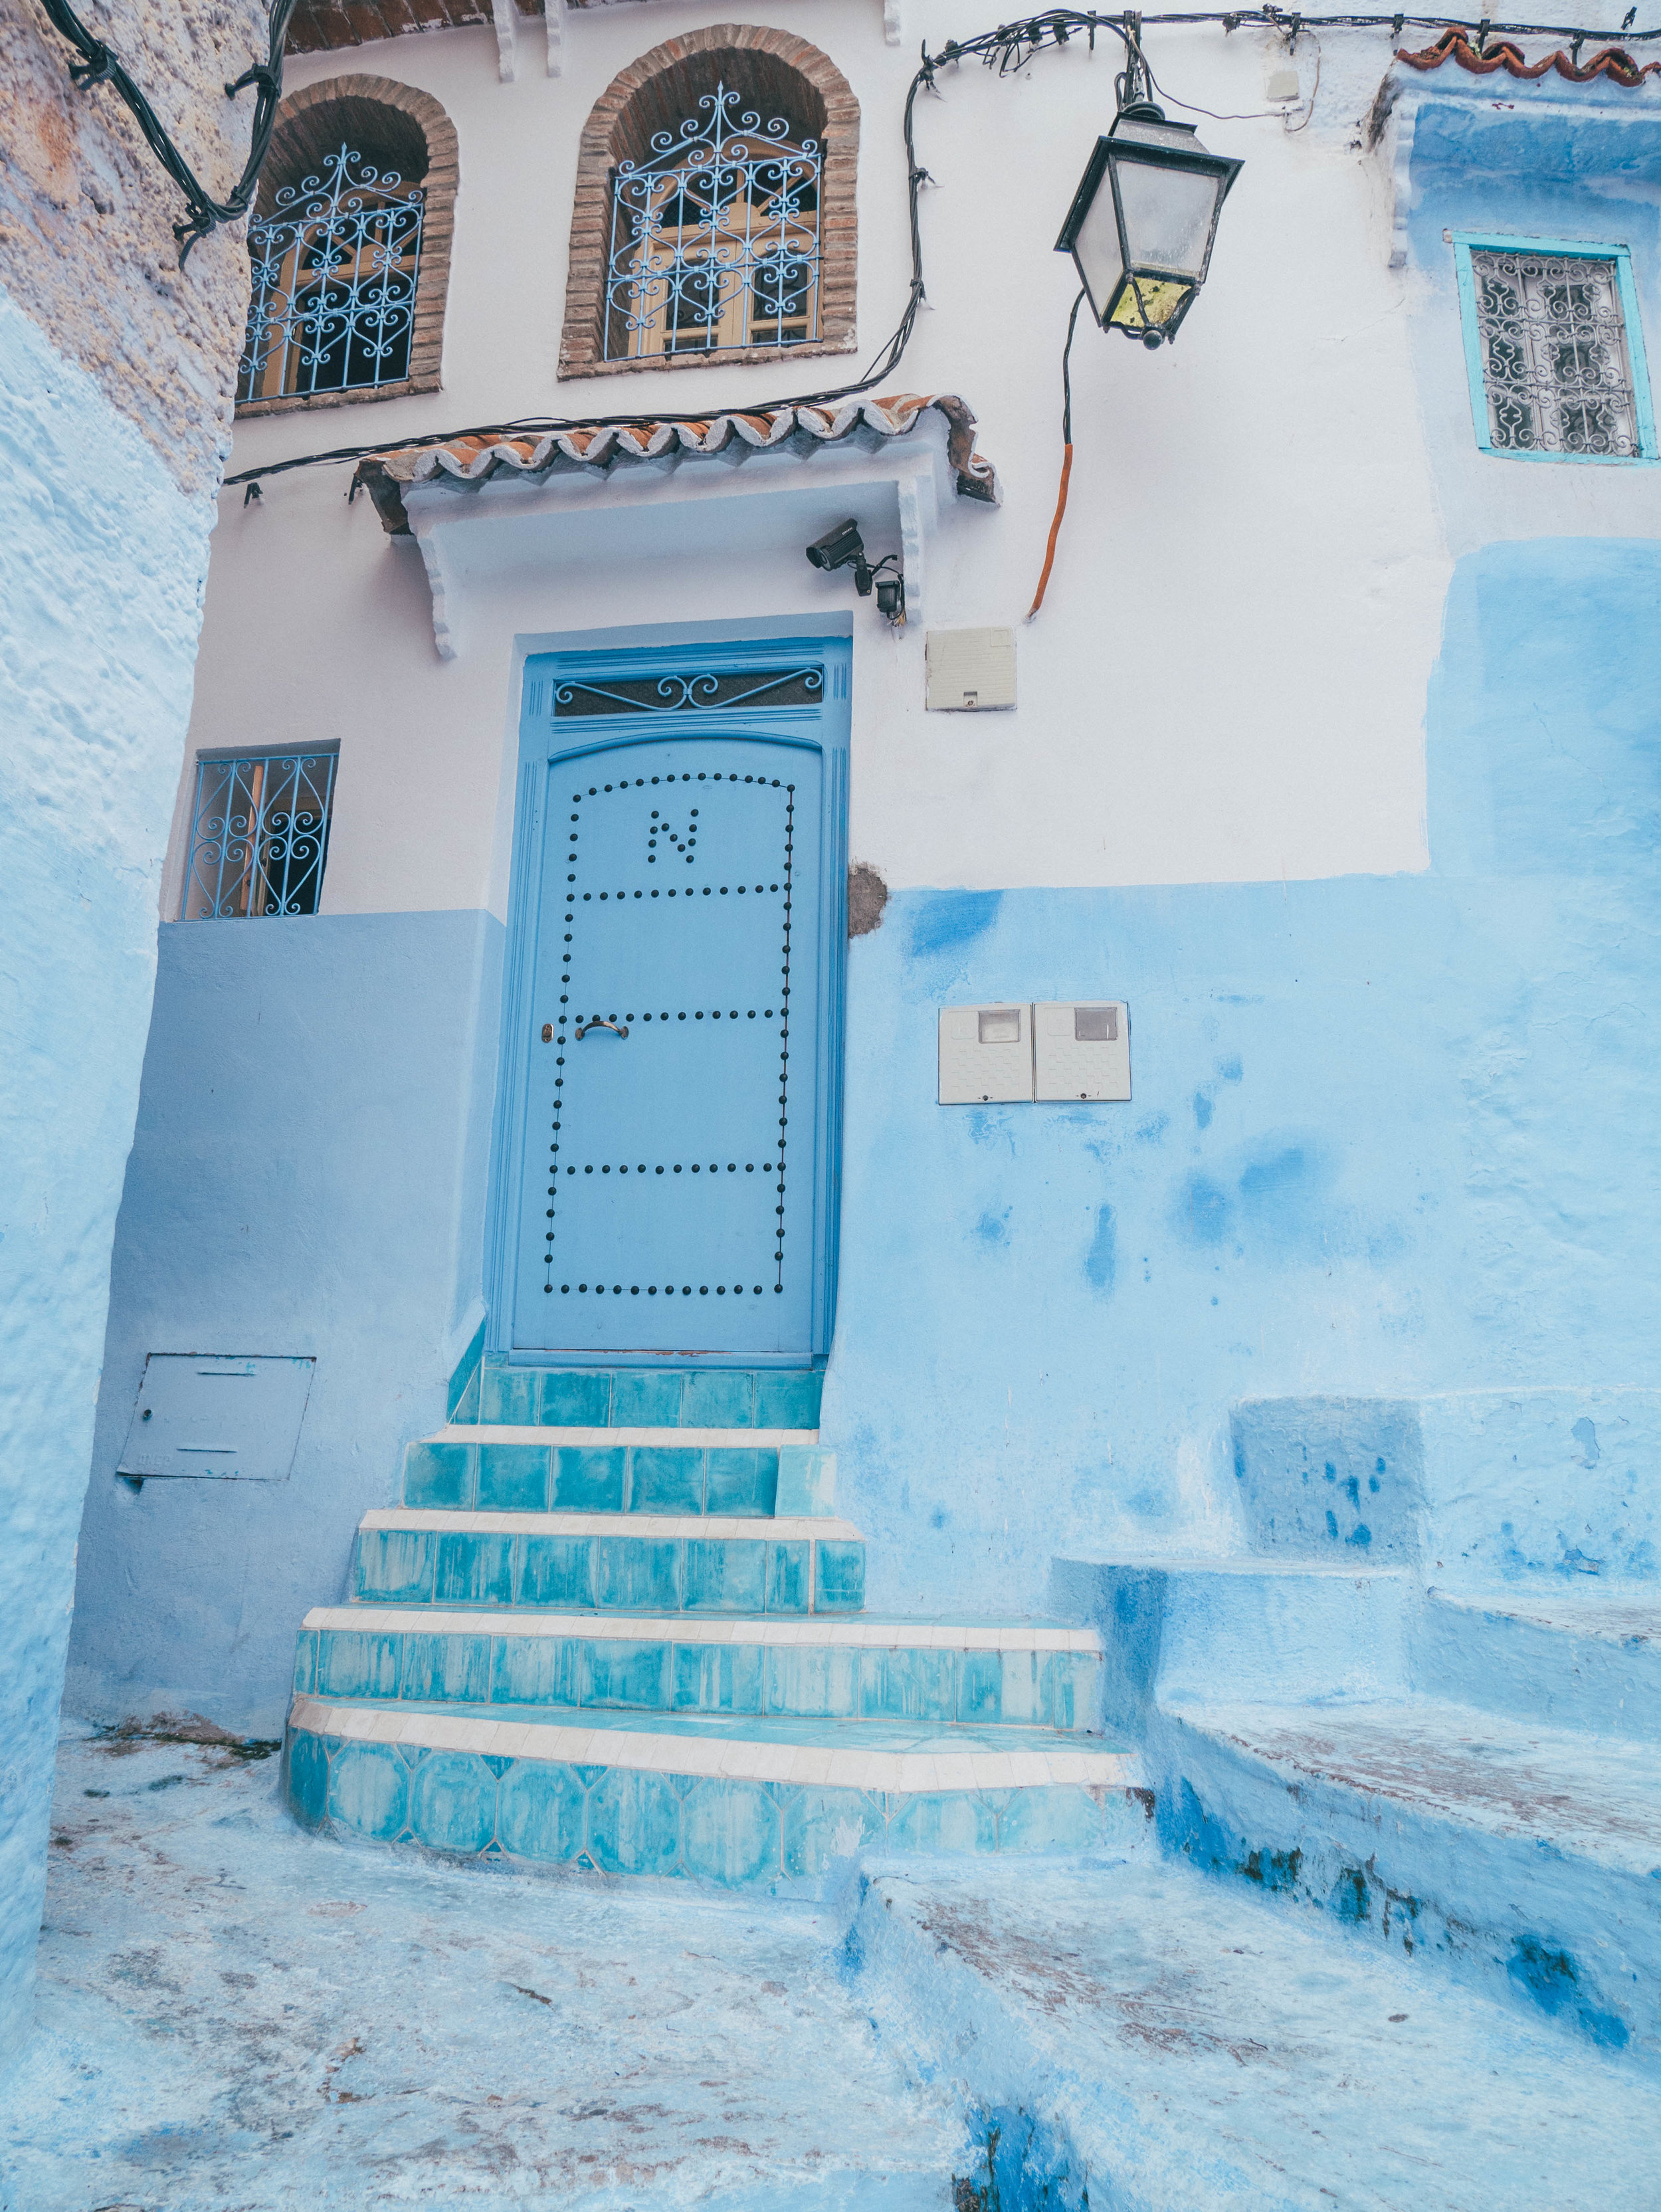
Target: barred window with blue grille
column 259, row 835
column 349, row 248
column 335, row 269
column 714, row 242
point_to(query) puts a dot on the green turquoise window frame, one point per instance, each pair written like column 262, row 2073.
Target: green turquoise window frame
column 1619, row 256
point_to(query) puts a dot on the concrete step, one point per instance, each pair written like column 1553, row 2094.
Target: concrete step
column 1171, row 2046
column 1279, row 1629
column 758, row 1802
column 623, row 1563
column 503, row 1469
column 1527, row 1859
column 983, row 1674
column 1585, row 1658
column 674, row 1398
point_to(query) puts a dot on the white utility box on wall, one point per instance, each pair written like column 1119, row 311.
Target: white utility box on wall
column 1043, row 1050
column 1081, row 1049
column 969, row 669
column 986, row 1054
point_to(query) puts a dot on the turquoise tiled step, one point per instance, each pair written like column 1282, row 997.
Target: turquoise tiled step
column 633, row 1397
column 642, row 1471
column 742, row 1803
column 971, row 1675
column 640, row 1563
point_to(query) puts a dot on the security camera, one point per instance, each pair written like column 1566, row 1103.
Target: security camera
column 843, row 548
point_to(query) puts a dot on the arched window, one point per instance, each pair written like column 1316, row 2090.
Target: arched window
column 716, row 180
column 350, row 248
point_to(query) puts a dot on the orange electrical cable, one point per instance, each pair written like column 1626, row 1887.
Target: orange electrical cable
column 1055, row 532
column 1066, row 457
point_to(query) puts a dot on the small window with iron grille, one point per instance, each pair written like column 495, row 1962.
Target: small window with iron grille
column 715, row 236
column 259, row 835
column 1555, row 350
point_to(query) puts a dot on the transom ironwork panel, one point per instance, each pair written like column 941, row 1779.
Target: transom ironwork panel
column 715, row 238
column 259, row 835
column 335, row 269
column 681, row 695
column 1556, row 368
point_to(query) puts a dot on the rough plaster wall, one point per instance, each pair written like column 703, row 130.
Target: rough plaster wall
column 101, row 559
column 87, row 249
column 115, row 371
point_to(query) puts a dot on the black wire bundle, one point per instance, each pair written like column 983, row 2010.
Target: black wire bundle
column 99, row 65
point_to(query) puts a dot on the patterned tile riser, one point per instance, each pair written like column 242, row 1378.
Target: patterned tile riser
column 737, row 1834
column 1030, row 1689
column 722, row 1398
column 622, row 1573
column 591, row 1479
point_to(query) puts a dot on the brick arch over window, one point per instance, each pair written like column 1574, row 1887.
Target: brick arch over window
column 773, row 72
column 395, row 127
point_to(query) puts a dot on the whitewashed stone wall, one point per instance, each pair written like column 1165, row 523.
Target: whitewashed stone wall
column 116, row 375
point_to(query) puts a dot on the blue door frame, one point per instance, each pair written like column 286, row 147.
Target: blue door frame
column 705, row 697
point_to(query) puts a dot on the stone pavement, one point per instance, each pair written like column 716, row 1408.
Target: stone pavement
column 233, row 2016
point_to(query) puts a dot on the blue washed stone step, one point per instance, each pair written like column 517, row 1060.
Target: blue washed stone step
column 1523, row 1858
column 626, row 1397
column 1026, row 1674
column 746, row 1804
column 634, row 1563
column 1206, row 2050
column 736, row 1472
column 1588, row 1657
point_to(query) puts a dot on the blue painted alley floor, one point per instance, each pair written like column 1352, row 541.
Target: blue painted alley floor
column 234, row 2014
column 235, row 2017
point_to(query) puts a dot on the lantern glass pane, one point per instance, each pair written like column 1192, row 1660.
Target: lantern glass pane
column 1168, row 214
column 1148, row 303
column 1096, row 249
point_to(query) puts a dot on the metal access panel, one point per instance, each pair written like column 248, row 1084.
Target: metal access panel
column 217, row 1419
column 1081, row 1049
column 986, row 1054
column 970, row 669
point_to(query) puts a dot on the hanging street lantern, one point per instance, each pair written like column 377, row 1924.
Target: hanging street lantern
column 1142, row 220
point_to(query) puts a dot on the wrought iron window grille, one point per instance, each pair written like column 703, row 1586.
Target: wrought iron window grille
column 259, row 835
column 715, row 238
column 1557, row 359
column 681, row 695
column 335, row 269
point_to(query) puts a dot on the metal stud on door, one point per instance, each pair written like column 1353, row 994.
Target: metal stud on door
column 673, row 1089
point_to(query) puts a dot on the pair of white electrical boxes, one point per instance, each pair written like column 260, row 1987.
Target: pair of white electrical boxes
column 1057, row 1048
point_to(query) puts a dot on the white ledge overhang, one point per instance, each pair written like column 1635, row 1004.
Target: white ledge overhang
column 483, row 508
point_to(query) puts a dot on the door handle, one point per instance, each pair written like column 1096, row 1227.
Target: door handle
column 583, row 1029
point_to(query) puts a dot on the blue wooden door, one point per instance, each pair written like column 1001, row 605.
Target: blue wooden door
column 675, row 1095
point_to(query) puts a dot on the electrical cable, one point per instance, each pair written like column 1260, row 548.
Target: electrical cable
column 1008, row 50
column 99, row 65
column 1066, row 455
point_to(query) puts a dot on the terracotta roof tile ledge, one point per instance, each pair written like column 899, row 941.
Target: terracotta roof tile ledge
column 465, row 464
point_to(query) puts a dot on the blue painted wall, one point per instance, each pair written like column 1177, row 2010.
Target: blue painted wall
column 1389, row 1136
column 307, row 1176
column 101, row 561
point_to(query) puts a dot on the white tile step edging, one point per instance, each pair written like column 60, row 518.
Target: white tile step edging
column 929, row 1764
column 755, row 1528
column 818, row 1630
column 683, row 1439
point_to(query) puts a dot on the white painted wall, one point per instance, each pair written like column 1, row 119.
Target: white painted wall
column 1227, row 681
